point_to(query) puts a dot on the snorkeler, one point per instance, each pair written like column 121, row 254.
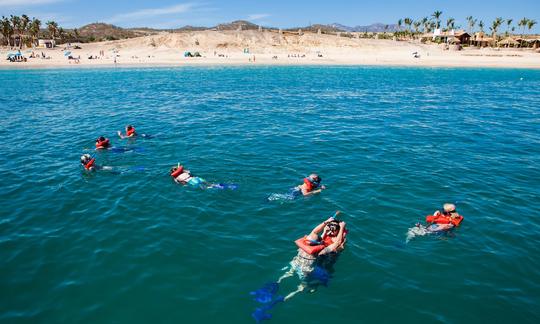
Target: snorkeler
column 438, row 223
column 184, row 176
column 449, row 215
column 89, row 164
column 102, row 143
column 130, row 132
column 312, row 185
column 317, row 253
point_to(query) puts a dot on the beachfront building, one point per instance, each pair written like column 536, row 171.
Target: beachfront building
column 451, row 36
column 481, row 40
column 46, row 43
column 528, row 42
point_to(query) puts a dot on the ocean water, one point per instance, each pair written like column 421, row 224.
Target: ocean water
column 391, row 144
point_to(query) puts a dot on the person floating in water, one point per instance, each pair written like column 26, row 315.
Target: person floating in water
column 130, row 132
column 102, row 143
column 438, row 223
column 89, row 164
column 184, row 176
column 312, row 185
column 317, row 253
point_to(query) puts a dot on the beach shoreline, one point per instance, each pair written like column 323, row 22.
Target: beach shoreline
column 259, row 48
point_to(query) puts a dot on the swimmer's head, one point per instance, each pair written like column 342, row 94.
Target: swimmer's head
column 85, row 158
column 449, row 208
column 177, row 170
column 315, row 178
column 332, row 228
column 129, row 127
column 101, row 139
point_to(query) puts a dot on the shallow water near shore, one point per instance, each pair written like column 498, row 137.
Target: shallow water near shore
column 391, row 144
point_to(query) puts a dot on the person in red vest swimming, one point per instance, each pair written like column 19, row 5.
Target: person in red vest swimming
column 317, row 252
column 102, row 143
column 449, row 216
column 130, row 132
column 89, row 164
column 312, row 185
column 437, row 223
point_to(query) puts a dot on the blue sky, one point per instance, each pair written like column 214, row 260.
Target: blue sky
column 278, row 13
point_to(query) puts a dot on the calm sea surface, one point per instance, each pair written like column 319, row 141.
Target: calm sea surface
column 391, row 144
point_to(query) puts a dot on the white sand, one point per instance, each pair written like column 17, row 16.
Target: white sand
column 227, row 47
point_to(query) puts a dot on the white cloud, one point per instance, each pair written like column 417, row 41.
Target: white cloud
column 149, row 13
column 25, row 3
column 257, row 16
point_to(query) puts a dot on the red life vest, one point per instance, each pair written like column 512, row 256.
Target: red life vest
column 304, row 244
column 310, row 186
column 445, row 219
column 177, row 172
column 102, row 144
column 90, row 164
column 130, row 132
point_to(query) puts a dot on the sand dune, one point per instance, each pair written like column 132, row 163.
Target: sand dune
column 270, row 47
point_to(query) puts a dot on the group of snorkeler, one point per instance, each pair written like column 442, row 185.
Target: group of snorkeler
column 103, row 143
column 317, row 250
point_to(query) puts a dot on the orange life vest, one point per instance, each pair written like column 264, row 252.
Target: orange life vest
column 90, row 164
column 445, row 219
column 304, row 244
column 177, row 172
column 102, row 144
column 130, row 132
column 310, row 185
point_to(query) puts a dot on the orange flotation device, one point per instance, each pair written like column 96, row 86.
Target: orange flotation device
column 177, row 172
column 445, row 219
column 310, row 184
column 310, row 248
column 90, row 164
column 102, row 144
column 130, row 131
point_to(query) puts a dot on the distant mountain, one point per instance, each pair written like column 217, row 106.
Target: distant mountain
column 373, row 28
column 102, row 31
column 315, row 28
column 238, row 24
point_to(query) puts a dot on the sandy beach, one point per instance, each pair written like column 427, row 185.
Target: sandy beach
column 268, row 47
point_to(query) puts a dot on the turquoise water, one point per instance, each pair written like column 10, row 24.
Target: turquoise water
column 391, row 144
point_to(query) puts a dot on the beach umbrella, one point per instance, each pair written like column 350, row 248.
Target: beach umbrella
column 67, row 53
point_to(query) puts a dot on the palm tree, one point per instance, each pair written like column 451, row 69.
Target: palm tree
column 471, row 22
column 522, row 23
column 408, row 22
column 437, row 14
column 424, row 24
column 16, row 24
column 52, row 26
column 24, row 25
column 399, row 23
column 495, row 26
column 530, row 24
column 34, row 28
column 416, row 25
column 6, row 29
column 481, row 25
column 508, row 23
column 450, row 23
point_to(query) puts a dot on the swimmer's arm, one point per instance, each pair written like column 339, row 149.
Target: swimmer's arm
column 314, row 235
column 305, row 193
column 120, row 134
